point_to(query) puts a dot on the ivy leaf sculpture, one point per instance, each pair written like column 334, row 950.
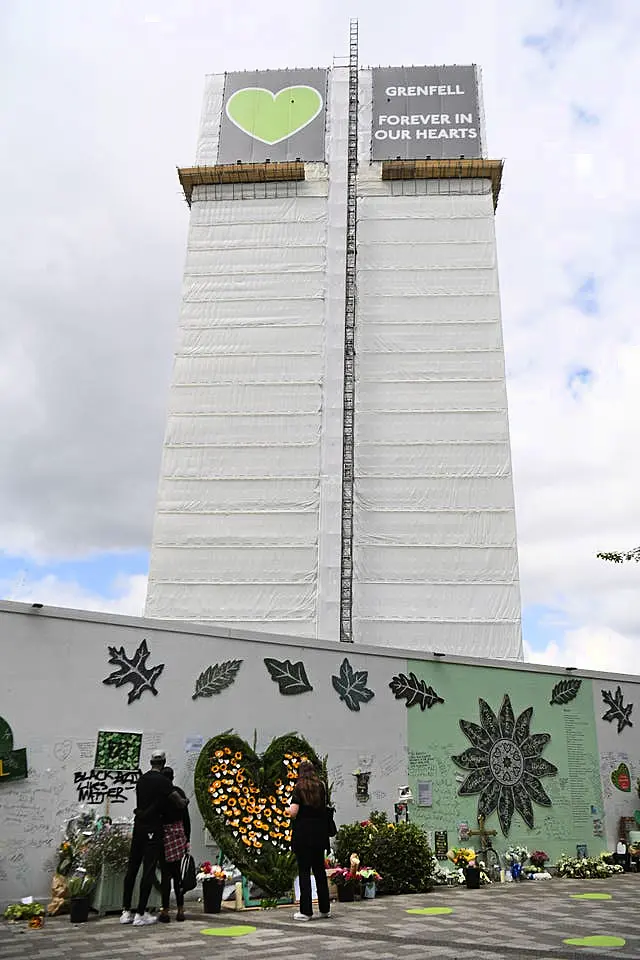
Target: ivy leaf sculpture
column 617, row 709
column 290, row 677
column 351, row 686
column 566, row 690
column 216, row 678
column 134, row 671
column 414, row 691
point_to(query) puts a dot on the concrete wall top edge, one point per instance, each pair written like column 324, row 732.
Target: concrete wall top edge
column 215, row 631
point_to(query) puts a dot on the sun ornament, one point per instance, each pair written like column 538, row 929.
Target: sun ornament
column 505, row 763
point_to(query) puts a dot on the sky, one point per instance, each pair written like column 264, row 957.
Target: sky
column 99, row 103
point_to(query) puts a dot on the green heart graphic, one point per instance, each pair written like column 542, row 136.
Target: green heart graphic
column 621, row 778
column 272, row 117
column 243, row 798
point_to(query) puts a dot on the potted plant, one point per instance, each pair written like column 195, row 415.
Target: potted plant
column 346, row 883
column 464, row 858
column 368, row 877
column 212, row 878
column 80, row 890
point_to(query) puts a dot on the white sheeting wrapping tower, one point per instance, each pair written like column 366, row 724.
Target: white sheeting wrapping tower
column 248, row 521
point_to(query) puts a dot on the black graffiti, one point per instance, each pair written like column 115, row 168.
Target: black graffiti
column 96, row 786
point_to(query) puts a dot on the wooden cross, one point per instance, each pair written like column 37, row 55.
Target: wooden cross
column 482, row 833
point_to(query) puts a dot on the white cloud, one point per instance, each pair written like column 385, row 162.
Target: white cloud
column 591, row 648
column 129, row 594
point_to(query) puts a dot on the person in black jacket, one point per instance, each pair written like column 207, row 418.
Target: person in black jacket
column 310, row 839
column 177, row 835
column 153, row 792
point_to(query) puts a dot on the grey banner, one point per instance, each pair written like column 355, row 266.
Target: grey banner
column 422, row 112
column 273, row 115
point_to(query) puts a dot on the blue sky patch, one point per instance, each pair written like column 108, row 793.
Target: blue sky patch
column 585, row 298
column 584, row 117
column 542, row 625
column 97, row 574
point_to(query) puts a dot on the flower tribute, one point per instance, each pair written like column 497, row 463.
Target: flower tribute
column 243, row 799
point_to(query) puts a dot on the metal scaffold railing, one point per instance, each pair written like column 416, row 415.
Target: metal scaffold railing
column 346, row 562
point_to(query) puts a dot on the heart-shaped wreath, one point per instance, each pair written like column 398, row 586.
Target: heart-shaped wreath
column 243, row 800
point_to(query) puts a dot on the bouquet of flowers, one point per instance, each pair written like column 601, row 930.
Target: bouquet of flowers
column 343, row 876
column 462, row 856
column 516, row 855
column 209, row 871
column 368, row 875
column 538, row 858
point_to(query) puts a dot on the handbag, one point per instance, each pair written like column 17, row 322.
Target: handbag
column 331, row 823
column 188, row 873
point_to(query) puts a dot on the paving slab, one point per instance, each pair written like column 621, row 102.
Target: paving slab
column 520, row 920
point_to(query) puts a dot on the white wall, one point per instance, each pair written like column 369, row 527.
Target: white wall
column 55, row 701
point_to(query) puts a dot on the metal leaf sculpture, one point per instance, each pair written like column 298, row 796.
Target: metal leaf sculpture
column 216, row 678
column 290, row 677
column 617, row 709
column 566, row 690
column 351, row 686
column 414, row 691
column 133, row 670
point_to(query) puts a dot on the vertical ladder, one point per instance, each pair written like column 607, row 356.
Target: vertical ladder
column 349, row 388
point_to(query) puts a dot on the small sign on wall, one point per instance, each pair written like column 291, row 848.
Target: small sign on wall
column 425, row 793
column 441, row 844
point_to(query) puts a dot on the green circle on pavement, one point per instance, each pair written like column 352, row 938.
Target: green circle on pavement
column 228, row 931
column 591, row 896
column 430, row 911
column 598, row 941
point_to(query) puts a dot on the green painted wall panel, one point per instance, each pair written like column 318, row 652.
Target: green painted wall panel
column 435, row 736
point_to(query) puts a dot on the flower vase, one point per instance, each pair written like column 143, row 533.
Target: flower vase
column 79, row 909
column 346, row 892
column 212, row 891
column 472, row 877
column 370, row 890
column 516, row 871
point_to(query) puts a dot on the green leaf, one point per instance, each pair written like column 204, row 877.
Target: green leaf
column 216, row 678
column 290, row 677
column 566, row 690
column 351, row 686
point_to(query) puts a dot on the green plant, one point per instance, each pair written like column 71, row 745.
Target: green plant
column 109, row 848
column 586, row 868
column 23, row 911
column 399, row 852
column 82, row 886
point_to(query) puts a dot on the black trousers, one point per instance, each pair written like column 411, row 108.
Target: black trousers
column 312, row 859
column 146, row 850
column 171, row 871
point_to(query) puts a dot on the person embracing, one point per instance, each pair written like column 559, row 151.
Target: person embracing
column 310, row 839
column 177, row 835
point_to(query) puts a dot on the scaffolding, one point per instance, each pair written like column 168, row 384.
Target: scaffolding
column 204, row 176
column 349, row 389
column 446, row 170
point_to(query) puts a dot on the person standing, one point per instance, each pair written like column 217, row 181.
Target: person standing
column 177, row 834
column 310, row 839
column 154, row 795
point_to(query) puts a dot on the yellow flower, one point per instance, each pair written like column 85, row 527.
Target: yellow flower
column 227, row 751
column 237, row 756
column 242, row 829
column 242, row 801
column 246, row 840
column 257, row 844
column 239, row 778
column 218, row 753
column 278, row 783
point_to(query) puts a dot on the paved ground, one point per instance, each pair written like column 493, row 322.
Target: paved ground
column 526, row 920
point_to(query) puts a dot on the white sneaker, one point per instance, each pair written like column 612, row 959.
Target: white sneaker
column 126, row 916
column 301, row 916
column 144, row 919
column 326, row 916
